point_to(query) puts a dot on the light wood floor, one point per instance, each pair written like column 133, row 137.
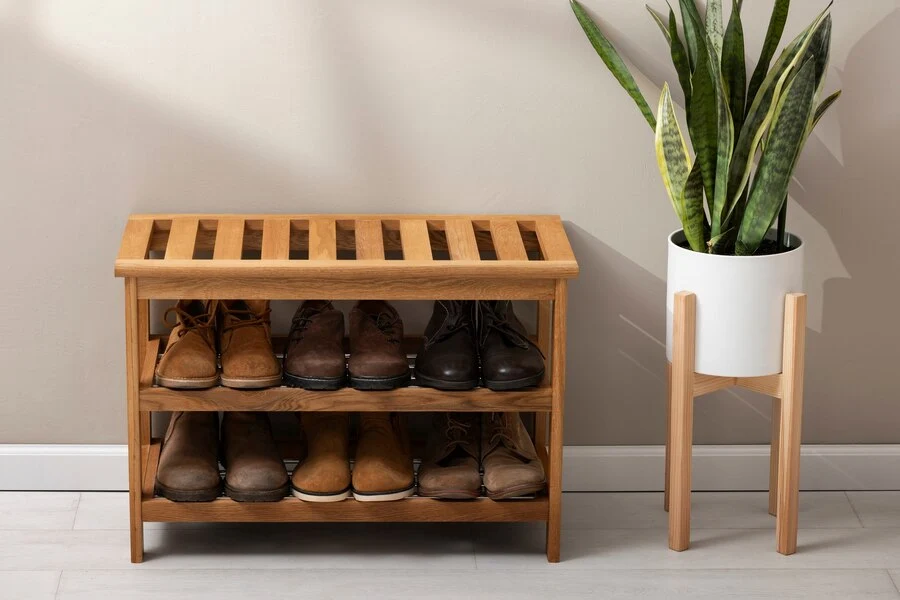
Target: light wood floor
column 75, row 545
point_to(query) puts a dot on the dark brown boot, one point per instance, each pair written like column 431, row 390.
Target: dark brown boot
column 314, row 357
column 377, row 360
column 384, row 468
column 189, row 361
column 189, row 460
column 245, row 344
column 448, row 358
column 509, row 359
column 324, row 475
column 254, row 470
column 450, row 469
column 510, row 462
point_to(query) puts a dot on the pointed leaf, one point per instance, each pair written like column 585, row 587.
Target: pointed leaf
column 696, row 228
column 734, row 68
column 714, row 28
column 693, row 29
column 789, row 127
column 703, row 126
column 773, row 37
column 613, row 61
column 671, row 152
column 824, row 106
column 660, row 23
column 820, row 49
column 680, row 59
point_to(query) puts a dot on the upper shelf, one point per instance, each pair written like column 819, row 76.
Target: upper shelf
column 342, row 247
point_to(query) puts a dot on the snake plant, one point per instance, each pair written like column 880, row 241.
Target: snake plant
column 733, row 124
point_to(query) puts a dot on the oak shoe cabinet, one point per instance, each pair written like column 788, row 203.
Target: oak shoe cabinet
column 343, row 257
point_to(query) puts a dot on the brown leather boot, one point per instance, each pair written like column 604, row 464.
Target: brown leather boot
column 314, row 357
column 450, row 469
column 324, row 475
column 254, row 470
column 509, row 359
column 510, row 462
column 448, row 357
column 189, row 361
column 383, row 469
column 246, row 346
column 189, row 460
column 377, row 360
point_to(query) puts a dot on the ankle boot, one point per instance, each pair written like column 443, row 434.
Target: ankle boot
column 509, row 359
column 246, row 346
column 254, row 470
column 377, row 360
column 314, row 357
column 450, row 469
column 188, row 462
column 189, row 361
column 510, row 462
column 383, row 469
column 324, row 475
column 447, row 358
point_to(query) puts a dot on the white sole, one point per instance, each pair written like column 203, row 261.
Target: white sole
column 384, row 497
column 316, row 498
column 187, row 384
column 251, row 384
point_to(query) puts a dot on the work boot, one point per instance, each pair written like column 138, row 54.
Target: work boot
column 254, row 470
column 450, row 469
column 510, row 462
column 189, row 460
column 324, row 475
column 384, row 468
column 245, row 345
column 189, row 361
column 377, row 360
column 509, row 359
column 448, row 358
column 314, row 357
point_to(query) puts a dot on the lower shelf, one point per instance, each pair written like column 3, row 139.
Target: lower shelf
column 414, row 509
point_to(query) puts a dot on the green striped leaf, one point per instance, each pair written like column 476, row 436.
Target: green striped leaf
column 734, row 68
column 696, row 227
column 703, row 126
column 789, row 126
column 770, row 45
column 613, row 61
column 660, row 23
column 693, row 29
column 680, row 59
column 671, row 152
column 824, row 106
column 714, row 29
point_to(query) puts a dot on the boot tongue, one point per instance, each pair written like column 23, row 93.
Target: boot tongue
column 510, row 433
column 458, row 442
column 257, row 306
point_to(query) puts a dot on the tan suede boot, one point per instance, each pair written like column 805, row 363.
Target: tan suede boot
column 383, row 469
column 254, row 470
column 189, row 460
column 246, row 346
column 189, row 361
column 510, row 462
column 450, row 468
column 324, row 475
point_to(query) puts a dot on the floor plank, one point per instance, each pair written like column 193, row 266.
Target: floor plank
column 38, row 510
column 33, row 585
column 877, row 509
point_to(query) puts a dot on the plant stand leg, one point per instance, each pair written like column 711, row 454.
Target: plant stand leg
column 791, row 422
column 554, row 477
column 682, row 421
column 135, row 425
column 773, row 456
column 668, row 433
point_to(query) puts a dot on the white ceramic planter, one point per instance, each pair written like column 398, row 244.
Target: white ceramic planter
column 740, row 306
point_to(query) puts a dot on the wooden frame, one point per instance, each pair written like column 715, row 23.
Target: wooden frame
column 786, row 389
column 390, row 257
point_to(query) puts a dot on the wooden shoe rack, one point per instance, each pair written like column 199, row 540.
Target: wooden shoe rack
column 349, row 257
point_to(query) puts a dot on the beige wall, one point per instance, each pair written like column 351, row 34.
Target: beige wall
column 108, row 108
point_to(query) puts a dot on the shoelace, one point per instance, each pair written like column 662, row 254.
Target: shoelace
column 493, row 321
column 386, row 324
column 457, row 431
column 503, row 431
column 301, row 321
column 200, row 323
column 245, row 318
column 457, row 320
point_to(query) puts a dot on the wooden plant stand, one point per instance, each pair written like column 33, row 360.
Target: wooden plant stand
column 786, row 390
column 350, row 257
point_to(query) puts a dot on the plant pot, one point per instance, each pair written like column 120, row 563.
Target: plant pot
column 740, row 306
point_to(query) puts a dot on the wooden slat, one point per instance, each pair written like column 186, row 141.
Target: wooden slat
column 149, row 363
column 150, row 471
column 558, row 380
column 136, row 239
column 276, row 239
column 132, row 376
column 322, row 239
column 415, row 240
column 769, row 385
column 182, row 237
column 706, row 384
column 369, row 240
column 682, row 420
column 461, row 239
column 553, row 240
column 229, row 239
column 507, row 240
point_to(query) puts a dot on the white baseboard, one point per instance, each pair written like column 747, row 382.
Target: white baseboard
column 587, row 468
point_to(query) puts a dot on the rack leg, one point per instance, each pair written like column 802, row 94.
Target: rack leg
column 791, row 421
column 554, row 477
column 143, row 338
column 682, row 421
column 544, row 321
column 773, row 456
column 132, row 367
column 668, row 433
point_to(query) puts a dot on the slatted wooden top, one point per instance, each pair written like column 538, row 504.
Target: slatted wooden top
column 346, row 246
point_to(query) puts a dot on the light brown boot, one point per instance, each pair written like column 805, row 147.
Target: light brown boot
column 450, row 468
column 189, row 361
column 324, row 475
column 383, row 469
column 510, row 462
column 254, row 470
column 246, row 346
column 189, row 460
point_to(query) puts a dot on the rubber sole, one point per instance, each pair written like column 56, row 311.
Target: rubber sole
column 256, row 495
column 253, row 383
column 514, row 384
column 442, row 384
column 176, row 383
column 384, row 496
column 450, row 494
column 314, row 383
column 513, row 492
column 379, row 383
column 315, row 497
column 174, row 495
